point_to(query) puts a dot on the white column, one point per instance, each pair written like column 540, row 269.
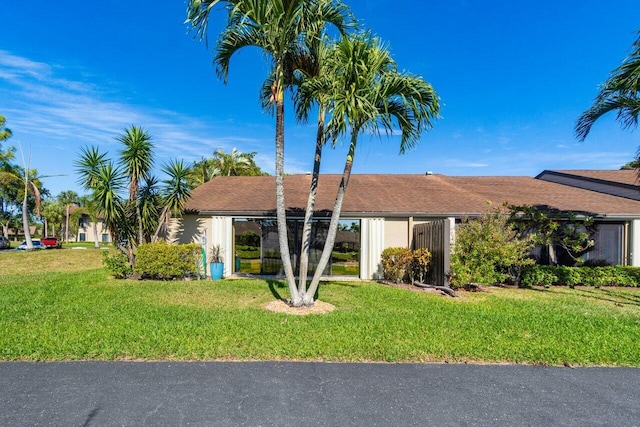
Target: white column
column 221, row 234
column 635, row 243
column 372, row 237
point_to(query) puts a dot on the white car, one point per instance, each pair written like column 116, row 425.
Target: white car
column 37, row 244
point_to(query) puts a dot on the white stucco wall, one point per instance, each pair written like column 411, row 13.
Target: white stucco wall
column 396, row 232
column 635, row 243
column 372, row 238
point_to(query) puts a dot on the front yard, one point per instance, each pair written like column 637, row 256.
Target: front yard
column 61, row 305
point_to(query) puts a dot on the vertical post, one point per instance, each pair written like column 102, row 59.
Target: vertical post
column 203, row 243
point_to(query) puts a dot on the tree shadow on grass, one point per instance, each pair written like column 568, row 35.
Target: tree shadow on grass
column 600, row 294
column 273, row 284
column 611, row 295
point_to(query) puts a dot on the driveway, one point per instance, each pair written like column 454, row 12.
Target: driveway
column 327, row 394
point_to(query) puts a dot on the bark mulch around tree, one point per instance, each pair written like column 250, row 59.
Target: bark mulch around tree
column 281, row 306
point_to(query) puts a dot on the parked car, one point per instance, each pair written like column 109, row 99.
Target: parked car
column 37, row 244
column 52, row 242
column 4, row 243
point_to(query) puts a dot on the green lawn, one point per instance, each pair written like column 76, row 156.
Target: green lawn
column 61, row 305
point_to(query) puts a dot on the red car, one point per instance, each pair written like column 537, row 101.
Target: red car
column 51, row 242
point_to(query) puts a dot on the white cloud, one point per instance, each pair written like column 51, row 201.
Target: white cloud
column 56, row 115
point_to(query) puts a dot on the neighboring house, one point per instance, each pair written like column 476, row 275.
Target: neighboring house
column 381, row 211
column 87, row 230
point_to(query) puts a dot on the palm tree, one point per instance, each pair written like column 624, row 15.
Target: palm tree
column 5, row 133
column 201, row 171
column 363, row 91
column 618, row 93
column 174, row 195
column 68, row 198
column 137, row 160
column 30, row 184
column 105, row 181
column 233, row 163
column 277, row 27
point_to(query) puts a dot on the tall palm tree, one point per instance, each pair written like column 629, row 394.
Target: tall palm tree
column 31, row 186
column 618, row 93
column 137, row 160
column 105, row 181
column 311, row 65
column 68, row 198
column 277, row 27
column 363, row 91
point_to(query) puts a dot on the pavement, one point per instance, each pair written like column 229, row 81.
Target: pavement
column 314, row 394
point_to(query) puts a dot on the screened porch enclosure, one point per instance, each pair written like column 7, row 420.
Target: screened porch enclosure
column 258, row 252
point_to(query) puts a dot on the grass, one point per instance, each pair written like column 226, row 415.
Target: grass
column 61, row 305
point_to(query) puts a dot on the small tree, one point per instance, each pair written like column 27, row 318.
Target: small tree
column 488, row 251
column 551, row 228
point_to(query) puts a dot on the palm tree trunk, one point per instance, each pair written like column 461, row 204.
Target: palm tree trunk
column 25, row 220
column 96, row 243
column 164, row 218
column 66, row 229
column 140, row 229
column 281, row 215
column 333, row 225
column 311, row 201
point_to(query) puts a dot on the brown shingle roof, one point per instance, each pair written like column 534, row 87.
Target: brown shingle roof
column 428, row 195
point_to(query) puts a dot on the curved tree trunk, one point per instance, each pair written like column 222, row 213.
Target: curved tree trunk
column 281, row 214
column 163, row 221
column 25, row 219
column 311, row 201
column 333, row 225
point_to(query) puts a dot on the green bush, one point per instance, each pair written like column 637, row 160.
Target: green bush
column 420, row 260
column 546, row 275
column 117, row 264
column 405, row 265
column 488, row 251
column 165, row 262
column 396, row 263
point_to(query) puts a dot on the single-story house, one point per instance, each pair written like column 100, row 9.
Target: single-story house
column 381, row 211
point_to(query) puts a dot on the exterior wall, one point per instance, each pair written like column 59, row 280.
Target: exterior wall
column 372, row 244
column 396, row 232
column 87, row 229
column 634, row 243
column 187, row 229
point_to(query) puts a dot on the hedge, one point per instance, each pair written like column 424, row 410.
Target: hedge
column 546, row 275
column 165, row 262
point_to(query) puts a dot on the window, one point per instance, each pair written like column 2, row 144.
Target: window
column 258, row 251
column 105, row 238
column 82, row 237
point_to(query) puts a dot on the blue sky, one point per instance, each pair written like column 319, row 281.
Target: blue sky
column 513, row 77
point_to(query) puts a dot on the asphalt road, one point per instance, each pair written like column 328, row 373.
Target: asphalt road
column 326, row 394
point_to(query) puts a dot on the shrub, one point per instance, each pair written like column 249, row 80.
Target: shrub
column 546, row 275
column 405, row 265
column 488, row 251
column 420, row 260
column 396, row 263
column 539, row 275
column 117, row 264
column 163, row 261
